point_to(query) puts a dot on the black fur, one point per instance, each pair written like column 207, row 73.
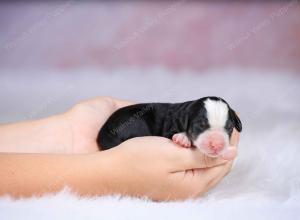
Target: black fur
column 160, row 119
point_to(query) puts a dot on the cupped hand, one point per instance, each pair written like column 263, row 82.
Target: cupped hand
column 146, row 166
column 157, row 168
column 85, row 120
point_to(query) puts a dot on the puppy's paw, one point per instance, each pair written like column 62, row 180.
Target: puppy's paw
column 181, row 139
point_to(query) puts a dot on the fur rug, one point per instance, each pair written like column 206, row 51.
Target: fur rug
column 264, row 184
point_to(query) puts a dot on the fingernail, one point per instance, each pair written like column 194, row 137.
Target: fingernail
column 229, row 154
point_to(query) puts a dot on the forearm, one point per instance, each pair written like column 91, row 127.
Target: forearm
column 49, row 135
column 74, row 131
column 24, row 175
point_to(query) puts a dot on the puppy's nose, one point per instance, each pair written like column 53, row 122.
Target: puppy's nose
column 216, row 146
column 216, row 142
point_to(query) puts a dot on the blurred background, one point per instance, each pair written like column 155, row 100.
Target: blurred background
column 56, row 53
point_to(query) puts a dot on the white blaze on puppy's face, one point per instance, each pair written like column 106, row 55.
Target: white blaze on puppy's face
column 215, row 140
column 217, row 113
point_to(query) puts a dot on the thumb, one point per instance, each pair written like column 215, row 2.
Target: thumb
column 229, row 154
column 193, row 158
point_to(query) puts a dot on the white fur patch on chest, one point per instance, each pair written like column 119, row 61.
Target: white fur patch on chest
column 217, row 113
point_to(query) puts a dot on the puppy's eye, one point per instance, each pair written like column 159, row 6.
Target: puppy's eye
column 202, row 123
column 229, row 125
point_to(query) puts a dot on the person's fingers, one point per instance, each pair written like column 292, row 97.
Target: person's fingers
column 122, row 103
column 193, row 158
column 224, row 170
column 194, row 183
column 235, row 137
column 177, row 157
column 105, row 101
column 230, row 153
column 200, row 181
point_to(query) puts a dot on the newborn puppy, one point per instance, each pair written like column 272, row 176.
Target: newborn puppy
column 206, row 123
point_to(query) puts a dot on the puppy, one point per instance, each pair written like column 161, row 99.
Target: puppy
column 206, row 123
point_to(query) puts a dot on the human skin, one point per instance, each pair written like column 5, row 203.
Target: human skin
column 45, row 155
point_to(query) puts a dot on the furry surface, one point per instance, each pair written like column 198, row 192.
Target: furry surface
column 264, row 184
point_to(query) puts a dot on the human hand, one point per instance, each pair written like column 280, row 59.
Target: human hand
column 74, row 131
column 85, row 120
column 161, row 170
column 151, row 166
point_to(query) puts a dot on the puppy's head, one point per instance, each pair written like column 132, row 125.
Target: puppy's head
column 212, row 124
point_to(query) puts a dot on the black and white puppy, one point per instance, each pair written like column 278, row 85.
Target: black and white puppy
column 206, row 123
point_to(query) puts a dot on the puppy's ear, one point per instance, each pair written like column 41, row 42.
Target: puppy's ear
column 236, row 120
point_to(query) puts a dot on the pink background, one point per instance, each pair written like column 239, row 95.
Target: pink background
column 174, row 34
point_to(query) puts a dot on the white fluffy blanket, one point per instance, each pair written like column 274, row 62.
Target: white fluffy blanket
column 264, row 184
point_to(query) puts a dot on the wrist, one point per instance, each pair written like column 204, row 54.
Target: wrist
column 100, row 174
column 113, row 173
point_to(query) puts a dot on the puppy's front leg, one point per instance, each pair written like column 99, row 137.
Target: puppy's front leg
column 181, row 139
